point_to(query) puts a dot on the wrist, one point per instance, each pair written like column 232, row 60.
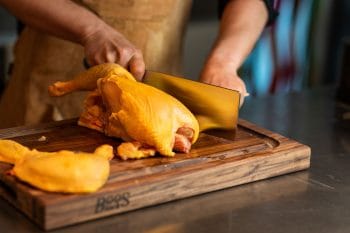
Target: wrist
column 225, row 54
column 90, row 30
column 222, row 61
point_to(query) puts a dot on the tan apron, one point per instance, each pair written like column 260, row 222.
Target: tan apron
column 154, row 26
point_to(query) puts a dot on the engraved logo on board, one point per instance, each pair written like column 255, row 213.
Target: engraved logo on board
column 112, row 201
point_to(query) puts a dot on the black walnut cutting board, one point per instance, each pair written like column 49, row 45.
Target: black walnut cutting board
column 218, row 160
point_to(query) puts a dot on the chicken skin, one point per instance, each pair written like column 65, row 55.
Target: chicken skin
column 62, row 171
column 146, row 118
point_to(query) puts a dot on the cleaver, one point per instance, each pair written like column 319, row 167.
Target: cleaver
column 214, row 107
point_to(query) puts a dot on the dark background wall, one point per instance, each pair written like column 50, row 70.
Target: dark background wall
column 7, row 36
column 203, row 10
column 7, row 22
column 339, row 32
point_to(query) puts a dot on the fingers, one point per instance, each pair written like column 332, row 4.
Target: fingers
column 137, row 66
column 111, row 56
column 128, row 56
column 219, row 76
column 125, row 54
column 132, row 59
column 107, row 45
column 105, row 55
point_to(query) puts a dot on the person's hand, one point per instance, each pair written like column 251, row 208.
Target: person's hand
column 106, row 45
column 223, row 75
column 73, row 22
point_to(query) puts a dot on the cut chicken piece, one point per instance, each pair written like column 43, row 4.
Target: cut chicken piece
column 132, row 111
column 62, row 171
column 134, row 150
column 11, row 151
column 65, row 171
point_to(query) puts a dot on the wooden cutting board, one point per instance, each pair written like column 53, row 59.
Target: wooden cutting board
column 218, row 160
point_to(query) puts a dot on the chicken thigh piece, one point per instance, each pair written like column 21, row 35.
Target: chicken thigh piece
column 147, row 118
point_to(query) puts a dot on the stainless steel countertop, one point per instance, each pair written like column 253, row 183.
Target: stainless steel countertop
column 315, row 200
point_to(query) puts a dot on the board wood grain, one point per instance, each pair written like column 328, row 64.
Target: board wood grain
column 220, row 159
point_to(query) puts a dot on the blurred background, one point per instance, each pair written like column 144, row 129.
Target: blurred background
column 302, row 49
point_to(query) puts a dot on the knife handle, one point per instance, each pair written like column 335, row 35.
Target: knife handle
column 86, row 63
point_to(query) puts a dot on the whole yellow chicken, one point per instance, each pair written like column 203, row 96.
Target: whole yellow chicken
column 148, row 119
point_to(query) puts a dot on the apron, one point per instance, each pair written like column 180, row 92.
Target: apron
column 155, row 26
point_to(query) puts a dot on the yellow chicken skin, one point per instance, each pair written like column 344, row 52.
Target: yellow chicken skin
column 86, row 81
column 65, row 171
column 144, row 114
column 138, row 113
column 134, row 150
column 62, row 171
column 11, row 151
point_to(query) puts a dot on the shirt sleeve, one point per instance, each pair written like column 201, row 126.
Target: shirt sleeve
column 270, row 6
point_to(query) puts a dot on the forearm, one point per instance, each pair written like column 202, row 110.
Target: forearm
column 61, row 18
column 241, row 25
column 68, row 20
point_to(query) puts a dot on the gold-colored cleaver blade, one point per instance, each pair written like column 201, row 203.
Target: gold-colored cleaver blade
column 214, row 107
